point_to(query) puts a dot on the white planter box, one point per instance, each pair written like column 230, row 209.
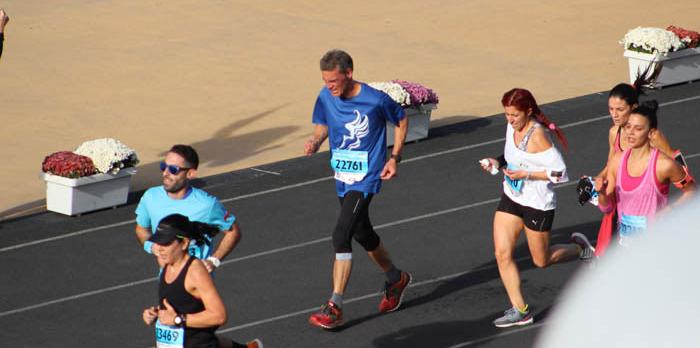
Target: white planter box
column 76, row 196
column 418, row 124
column 678, row 67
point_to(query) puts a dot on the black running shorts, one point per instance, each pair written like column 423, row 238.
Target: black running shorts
column 534, row 219
column 353, row 223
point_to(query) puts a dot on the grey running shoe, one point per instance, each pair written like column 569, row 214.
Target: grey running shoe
column 587, row 250
column 513, row 317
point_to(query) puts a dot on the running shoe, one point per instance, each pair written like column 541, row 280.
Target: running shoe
column 256, row 343
column 329, row 317
column 513, row 317
column 393, row 293
column 587, row 250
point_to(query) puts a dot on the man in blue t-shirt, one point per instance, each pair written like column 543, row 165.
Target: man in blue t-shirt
column 353, row 117
column 177, row 196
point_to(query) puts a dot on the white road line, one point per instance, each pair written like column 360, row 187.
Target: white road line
column 680, row 101
column 267, row 252
column 78, row 296
column 63, row 236
column 238, row 259
column 264, row 171
column 311, row 182
column 256, row 255
column 502, row 334
column 278, row 189
column 376, row 294
column 355, row 299
column 361, row 298
column 271, row 251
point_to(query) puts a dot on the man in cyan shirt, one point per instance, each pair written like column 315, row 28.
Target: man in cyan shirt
column 177, row 196
column 353, row 117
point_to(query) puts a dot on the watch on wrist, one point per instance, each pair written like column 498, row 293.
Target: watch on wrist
column 180, row 320
column 396, row 158
column 214, row 261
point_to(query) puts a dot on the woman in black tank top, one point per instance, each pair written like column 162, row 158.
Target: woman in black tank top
column 190, row 308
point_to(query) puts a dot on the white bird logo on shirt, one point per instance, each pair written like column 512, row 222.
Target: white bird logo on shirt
column 359, row 128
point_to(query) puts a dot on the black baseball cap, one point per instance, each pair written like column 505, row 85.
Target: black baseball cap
column 170, row 228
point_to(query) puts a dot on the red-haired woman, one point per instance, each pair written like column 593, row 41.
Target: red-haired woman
column 532, row 167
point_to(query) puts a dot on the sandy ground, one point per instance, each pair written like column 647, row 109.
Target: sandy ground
column 237, row 79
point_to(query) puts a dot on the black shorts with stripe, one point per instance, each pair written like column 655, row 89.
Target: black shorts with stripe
column 534, row 219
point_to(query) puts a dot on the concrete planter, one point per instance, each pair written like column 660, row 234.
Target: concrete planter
column 76, row 196
column 678, row 67
column 418, row 123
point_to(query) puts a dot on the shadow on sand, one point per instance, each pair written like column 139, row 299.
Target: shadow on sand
column 223, row 148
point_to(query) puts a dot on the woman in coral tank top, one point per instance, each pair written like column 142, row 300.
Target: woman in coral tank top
column 639, row 177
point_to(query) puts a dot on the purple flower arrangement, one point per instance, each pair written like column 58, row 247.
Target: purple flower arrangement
column 418, row 93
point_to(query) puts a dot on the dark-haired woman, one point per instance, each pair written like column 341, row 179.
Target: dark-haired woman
column 532, row 167
column 190, row 308
column 622, row 99
column 639, row 177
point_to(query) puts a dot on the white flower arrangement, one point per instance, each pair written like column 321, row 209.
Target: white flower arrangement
column 651, row 40
column 394, row 90
column 108, row 155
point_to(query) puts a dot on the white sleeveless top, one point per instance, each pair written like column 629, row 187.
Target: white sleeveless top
column 537, row 194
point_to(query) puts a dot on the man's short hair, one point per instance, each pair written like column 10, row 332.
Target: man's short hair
column 188, row 153
column 336, row 59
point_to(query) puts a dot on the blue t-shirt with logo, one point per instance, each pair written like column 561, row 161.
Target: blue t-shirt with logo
column 197, row 205
column 357, row 136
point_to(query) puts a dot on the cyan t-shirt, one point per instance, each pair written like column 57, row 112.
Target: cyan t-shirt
column 357, row 136
column 197, row 206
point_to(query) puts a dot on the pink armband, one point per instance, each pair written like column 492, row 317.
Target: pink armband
column 605, row 208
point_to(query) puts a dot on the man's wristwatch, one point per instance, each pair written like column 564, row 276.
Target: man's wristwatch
column 214, row 261
column 180, row 320
column 396, row 158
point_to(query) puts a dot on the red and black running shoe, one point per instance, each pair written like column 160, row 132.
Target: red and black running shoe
column 393, row 293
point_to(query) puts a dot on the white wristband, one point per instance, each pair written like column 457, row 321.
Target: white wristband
column 148, row 246
column 214, row 261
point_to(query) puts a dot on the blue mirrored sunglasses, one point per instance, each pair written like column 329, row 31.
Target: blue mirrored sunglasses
column 173, row 169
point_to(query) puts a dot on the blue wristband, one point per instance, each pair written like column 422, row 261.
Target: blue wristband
column 147, row 246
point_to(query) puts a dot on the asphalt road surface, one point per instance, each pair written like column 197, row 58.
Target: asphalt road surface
column 84, row 281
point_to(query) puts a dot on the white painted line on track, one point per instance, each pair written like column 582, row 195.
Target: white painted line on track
column 680, row 101
column 256, row 255
column 359, row 298
column 508, row 332
column 274, row 251
column 364, row 297
column 264, row 171
column 78, row 296
column 278, row 189
column 63, row 236
column 376, row 294
column 314, row 181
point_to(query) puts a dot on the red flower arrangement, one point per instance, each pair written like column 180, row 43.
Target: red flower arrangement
column 68, row 164
column 689, row 37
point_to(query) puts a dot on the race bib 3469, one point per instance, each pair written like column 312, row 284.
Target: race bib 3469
column 169, row 336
